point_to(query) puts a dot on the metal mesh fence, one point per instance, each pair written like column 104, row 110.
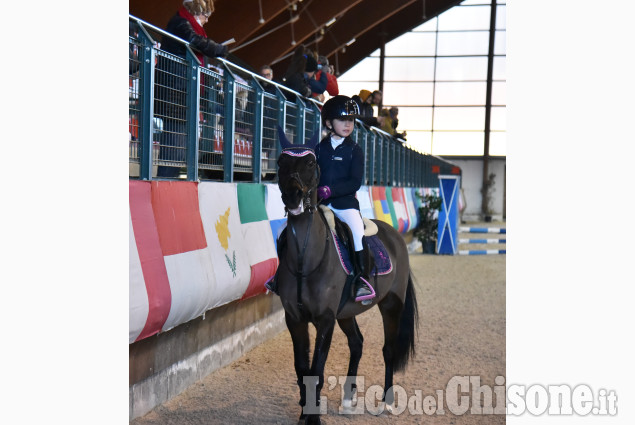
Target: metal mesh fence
column 311, row 119
column 170, row 110
column 243, row 127
column 134, row 106
column 164, row 119
column 211, row 121
column 269, row 133
column 291, row 120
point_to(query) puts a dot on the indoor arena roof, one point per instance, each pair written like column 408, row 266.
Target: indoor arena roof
column 267, row 31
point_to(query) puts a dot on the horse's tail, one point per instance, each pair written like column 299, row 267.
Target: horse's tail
column 408, row 327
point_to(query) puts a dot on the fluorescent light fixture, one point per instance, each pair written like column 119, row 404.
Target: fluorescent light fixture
column 351, row 42
column 331, row 22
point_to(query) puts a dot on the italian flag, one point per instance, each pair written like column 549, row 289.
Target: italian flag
column 255, row 227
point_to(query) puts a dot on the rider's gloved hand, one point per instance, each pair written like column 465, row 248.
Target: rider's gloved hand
column 324, row 192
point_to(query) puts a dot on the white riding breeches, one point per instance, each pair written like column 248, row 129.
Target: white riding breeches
column 353, row 218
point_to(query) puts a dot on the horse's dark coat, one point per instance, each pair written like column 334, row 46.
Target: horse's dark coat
column 311, row 281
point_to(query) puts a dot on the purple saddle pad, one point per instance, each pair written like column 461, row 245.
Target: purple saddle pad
column 383, row 265
column 382, row 260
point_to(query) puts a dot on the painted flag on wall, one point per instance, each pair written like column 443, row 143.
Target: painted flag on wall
column 223, row 231
column 380, row 204
column 261, row 251
column 275, row 210
column 138, row 306
column 187, row 260
column 410, row 204
column 149, row 289
column 401, row 211
column 391, row 208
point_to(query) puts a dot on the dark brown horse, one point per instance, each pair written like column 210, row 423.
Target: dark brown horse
column 311, row 283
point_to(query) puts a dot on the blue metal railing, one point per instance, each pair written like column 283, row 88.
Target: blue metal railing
column 220, row 122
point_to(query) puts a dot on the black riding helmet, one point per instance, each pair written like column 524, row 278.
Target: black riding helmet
column 338, row 107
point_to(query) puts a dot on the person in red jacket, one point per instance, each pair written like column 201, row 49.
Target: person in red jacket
column 331, row 85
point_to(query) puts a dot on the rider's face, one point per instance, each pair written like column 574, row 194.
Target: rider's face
column 343, row 127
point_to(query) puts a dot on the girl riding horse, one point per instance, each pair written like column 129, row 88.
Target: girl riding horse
column 341, row 164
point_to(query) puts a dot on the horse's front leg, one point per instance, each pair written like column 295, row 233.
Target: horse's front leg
column 355, row 345
column 300, row 337
column 324, row 333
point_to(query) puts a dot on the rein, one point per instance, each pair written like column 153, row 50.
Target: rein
column 300, row 275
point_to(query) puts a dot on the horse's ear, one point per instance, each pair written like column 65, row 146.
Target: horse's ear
column 312, row 143
column 284, row 142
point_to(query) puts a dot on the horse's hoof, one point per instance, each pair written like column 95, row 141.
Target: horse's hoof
column 348, row 410
column 389, row 408
column 349, row 406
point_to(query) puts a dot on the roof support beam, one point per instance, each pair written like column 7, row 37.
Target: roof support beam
column 311, row 18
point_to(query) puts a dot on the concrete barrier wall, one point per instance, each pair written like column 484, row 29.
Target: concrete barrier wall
column 199, row 256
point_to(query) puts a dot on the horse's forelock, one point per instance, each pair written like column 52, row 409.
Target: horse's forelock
column 295, row 178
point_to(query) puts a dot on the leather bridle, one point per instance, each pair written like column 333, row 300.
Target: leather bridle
column 308, row 207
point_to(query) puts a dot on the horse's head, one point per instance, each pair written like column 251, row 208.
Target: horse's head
column 298, row 175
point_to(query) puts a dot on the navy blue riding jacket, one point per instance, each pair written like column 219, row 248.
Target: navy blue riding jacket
column 341, row 170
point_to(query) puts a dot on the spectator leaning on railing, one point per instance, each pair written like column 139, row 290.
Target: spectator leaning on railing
column 385, row 121
column 171, row 93
column 267, row 72
column 366, row 112
column 187, row 24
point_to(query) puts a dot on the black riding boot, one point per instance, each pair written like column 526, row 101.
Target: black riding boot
column 272, row 284
column 362, row 287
